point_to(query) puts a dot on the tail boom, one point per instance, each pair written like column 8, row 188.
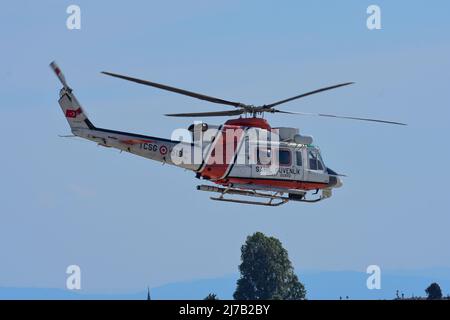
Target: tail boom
column 154, row 148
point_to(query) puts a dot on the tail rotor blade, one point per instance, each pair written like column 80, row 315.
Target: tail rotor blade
column 59, row 74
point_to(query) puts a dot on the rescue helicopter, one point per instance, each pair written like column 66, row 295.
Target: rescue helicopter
column 244, row 160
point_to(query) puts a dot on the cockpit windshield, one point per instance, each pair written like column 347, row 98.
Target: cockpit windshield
column 315, row 161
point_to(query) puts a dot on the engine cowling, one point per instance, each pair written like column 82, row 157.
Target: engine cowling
column 300, row 139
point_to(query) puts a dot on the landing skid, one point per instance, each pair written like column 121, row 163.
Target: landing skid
column 270, row 203
column 274, row 199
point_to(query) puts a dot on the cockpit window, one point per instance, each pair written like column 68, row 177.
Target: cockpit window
column 319, row 165
column 314, row 160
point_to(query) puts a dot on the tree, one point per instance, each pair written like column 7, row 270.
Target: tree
column 266, row 272
column 434, row 292
column 211, row 296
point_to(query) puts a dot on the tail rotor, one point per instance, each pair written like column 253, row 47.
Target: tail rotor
column 59, row 74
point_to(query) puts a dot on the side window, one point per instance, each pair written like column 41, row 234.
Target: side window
column 264, row 156
column 299, row 158
column 285, row 157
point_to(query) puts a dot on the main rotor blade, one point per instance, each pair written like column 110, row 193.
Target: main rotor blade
column 208, row 114
column 176, row 90
column 340, row 117
column 307, row 94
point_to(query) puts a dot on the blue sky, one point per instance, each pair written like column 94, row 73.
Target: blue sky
column 129, row 222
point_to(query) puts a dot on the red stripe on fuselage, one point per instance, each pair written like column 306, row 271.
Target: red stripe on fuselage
column 288, row 184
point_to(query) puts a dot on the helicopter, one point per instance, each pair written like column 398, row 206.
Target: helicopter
column 243, row 160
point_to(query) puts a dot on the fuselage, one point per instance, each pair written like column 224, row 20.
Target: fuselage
column 242, row 153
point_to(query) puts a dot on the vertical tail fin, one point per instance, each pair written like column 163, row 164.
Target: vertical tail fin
column 74, row 113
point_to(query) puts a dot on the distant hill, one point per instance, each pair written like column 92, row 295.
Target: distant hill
column 319, row 285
